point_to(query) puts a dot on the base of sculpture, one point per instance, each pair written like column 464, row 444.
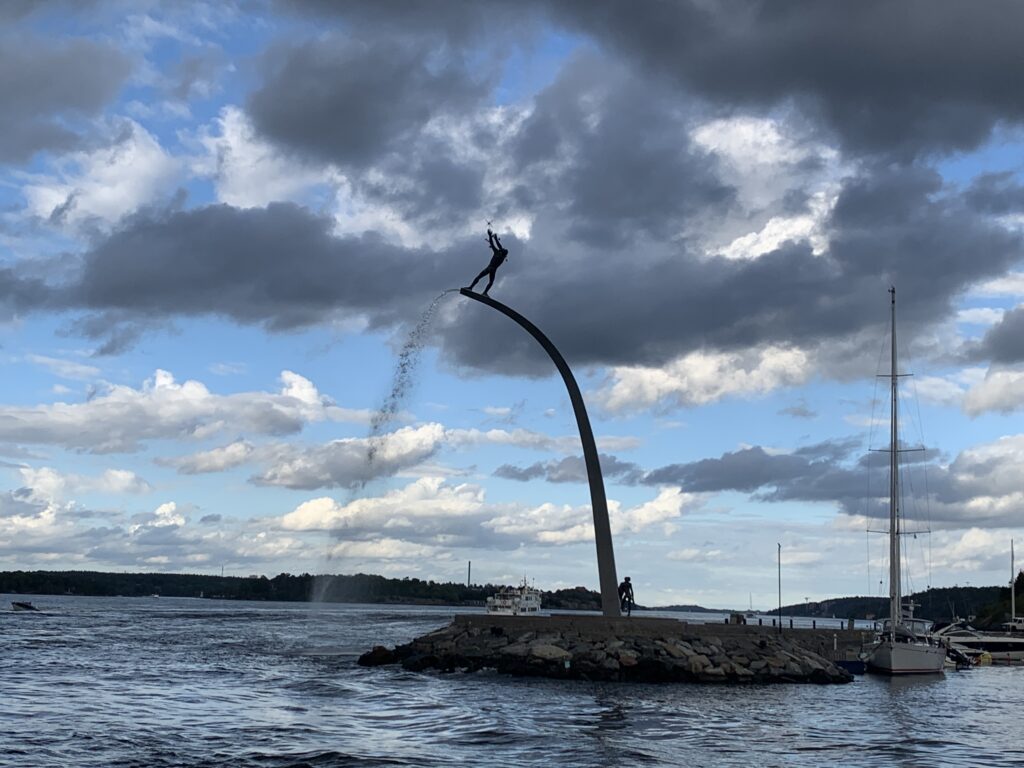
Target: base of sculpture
column 598, row 648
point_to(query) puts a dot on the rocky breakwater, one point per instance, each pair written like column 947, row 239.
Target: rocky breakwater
column 596, row 648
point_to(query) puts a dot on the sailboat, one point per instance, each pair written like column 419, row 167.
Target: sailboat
column 904, row 646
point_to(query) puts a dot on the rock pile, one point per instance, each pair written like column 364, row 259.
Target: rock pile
column 667, row 651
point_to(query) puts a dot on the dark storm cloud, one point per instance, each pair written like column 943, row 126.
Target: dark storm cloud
column 901, row 78
column 279, row 266
column 635, row 170
column 21, row 291
column 1004, row 341
column 522, row 474
column 996, row 193
column 895, row 78
column 832, row 450
column 799, row 411
column 14, row 10
column 658, row 300
column 572, row 469
column 459, row 22
column 347, row 101
column 744, row 470
column 45, row 86
column 430, row 187
column 20, row 503
column 819, row 473
column 974, row 489
column 602, row 162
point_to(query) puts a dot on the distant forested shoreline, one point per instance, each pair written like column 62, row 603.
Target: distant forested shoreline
column 990, row 605
column 357, row 588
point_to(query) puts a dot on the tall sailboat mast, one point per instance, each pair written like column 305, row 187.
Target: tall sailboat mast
column 895, row 596
column 1013, row 580
column 902, row 649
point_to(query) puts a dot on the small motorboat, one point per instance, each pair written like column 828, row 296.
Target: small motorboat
column 22, row 605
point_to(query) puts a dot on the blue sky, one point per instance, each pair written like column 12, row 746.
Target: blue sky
column 220, row 221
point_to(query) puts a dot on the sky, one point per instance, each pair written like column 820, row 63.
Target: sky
column 220, row 222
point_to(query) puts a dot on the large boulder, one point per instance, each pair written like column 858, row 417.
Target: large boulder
column 549, row 652
column 377, row 656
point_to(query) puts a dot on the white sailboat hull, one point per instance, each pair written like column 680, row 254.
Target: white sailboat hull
column 906, row 658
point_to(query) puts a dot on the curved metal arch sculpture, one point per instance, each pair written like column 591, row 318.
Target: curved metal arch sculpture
column 598, row 502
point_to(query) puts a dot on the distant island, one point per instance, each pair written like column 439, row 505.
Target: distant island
column 358, row 588
column 989, row 605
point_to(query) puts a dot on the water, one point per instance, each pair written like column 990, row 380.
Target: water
column 185, row 682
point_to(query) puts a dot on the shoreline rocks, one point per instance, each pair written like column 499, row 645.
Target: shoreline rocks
column 594, row 648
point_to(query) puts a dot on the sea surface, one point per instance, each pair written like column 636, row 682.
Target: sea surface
column 187, row 682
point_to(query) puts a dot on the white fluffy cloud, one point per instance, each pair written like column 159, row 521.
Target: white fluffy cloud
column 1001, row 390
column 980, row 315
column 107, row 183
column 1010, row 284
column 428, row 497
column 345, row 463
column 972, row 550
column 779, row 230
column 384, row 549
column 214, row 460
column 48, row 484
column 762, row 157
column 694, row 555
column 249, row 172
column 564, row 524
column 991, row 474
column 700, row 378
column 65, row 369
column 162, row 408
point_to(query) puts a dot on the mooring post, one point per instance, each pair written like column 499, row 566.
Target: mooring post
column 598, row 502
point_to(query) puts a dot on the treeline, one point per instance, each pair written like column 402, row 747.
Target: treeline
column 937, row 604
column 998, row 612
column 989, row 605
column 358, row 588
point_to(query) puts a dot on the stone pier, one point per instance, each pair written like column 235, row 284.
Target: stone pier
column 626, row 649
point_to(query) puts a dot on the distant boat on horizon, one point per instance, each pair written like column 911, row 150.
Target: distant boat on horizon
column 22, row 605
column 523, row 600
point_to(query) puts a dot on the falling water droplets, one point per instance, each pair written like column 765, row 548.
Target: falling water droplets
column 402, row 383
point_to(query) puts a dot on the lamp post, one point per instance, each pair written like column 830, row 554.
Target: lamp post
column 780, row 588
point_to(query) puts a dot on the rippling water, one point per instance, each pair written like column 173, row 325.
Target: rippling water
column 180, row 682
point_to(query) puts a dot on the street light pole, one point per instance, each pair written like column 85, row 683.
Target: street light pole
column 780, row 588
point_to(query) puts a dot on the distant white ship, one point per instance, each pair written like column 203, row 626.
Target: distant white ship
column 523, row 600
